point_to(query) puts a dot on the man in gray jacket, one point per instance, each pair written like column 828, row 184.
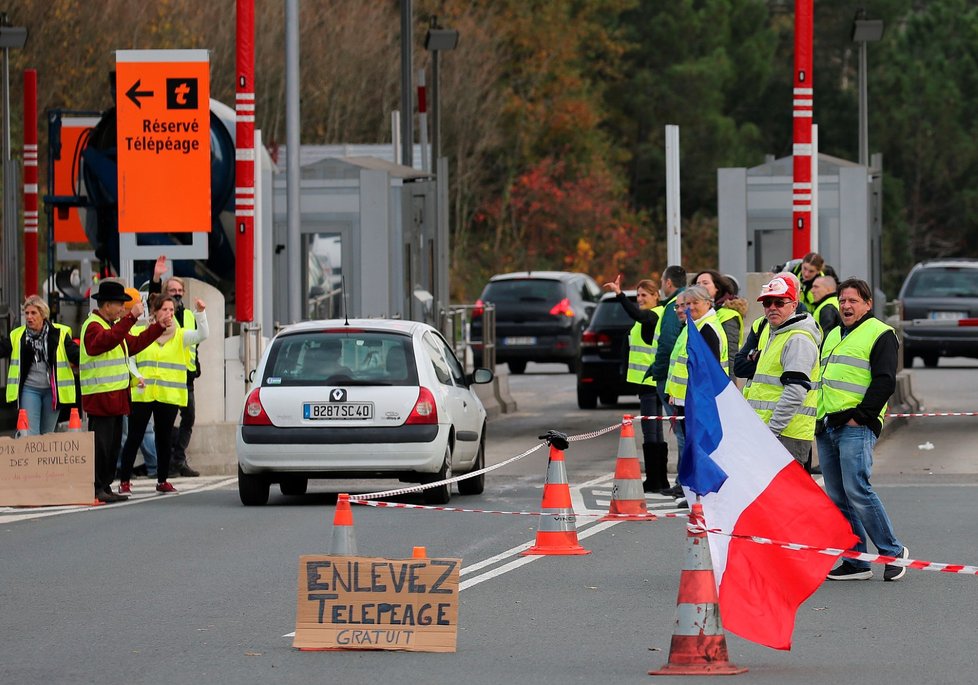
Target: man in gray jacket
column 783, row 389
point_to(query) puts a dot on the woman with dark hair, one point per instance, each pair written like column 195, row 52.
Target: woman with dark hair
column 159, row 389
column 641, row 353
column 39, row 377
column 729, row 307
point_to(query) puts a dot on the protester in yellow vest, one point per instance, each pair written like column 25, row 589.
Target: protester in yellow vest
column 825, row 304
column 859, row 363
column 783, row 390
column 39, row 377
column 641, row 353
column 693, row 305
column 729, row 307
column 745, row 361
column 104, row 375
column 159, row 389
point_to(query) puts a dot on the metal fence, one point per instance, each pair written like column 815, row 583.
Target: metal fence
column 456, row 325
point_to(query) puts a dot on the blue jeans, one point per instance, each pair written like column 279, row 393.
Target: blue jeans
column 670, row 410
column 846, row 456
column 37, row 403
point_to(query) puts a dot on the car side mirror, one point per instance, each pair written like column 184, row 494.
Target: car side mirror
column 480, row 376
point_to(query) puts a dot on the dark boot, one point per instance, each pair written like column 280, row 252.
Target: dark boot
column 662, row 463
column 656, row 455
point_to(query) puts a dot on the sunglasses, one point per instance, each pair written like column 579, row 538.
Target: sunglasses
column 767, row 304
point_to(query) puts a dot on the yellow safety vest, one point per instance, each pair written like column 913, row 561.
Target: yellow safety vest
column 641, row 354
column 190, row 324
column 766, row 388
column 724, row 314
column 846, row 374
column 63, row 376
column 678, row 372
column 832, row 301
column 164, row 371
column 104, row 372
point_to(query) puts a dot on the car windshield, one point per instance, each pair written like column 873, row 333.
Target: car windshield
column 528, row 290
column 341, row 358
column 947, row 281
column 610, row 313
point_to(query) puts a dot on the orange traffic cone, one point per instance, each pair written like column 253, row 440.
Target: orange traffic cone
column 74, row 421
column 23, row 425
column 344, row 542
column 699, row 646
column 627, row 495
column 557, row 533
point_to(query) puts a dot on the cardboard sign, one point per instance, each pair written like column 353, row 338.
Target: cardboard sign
column 57, row 468
column 372, row 603
column 68, row 226
column 164, row 141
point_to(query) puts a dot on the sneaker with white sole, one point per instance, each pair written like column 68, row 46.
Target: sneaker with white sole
column 894, row 572
column 165, row 487
column 846, row 571
column 125, row 488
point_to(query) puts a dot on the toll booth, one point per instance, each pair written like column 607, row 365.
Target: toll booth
column 754, row 208
column 369, row 239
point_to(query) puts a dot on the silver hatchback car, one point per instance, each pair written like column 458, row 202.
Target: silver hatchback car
column 368, row 398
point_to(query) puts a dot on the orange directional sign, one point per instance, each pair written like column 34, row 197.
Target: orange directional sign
column 164, row 155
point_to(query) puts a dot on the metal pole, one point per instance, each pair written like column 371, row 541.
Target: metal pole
column 407, row 109
column 863, row 107
column 435, row 109
column 293, row 217
column 673, row 226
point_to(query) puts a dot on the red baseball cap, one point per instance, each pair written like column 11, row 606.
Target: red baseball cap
column 779, row 287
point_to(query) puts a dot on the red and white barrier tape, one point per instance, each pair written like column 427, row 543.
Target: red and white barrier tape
column 889, row 416
column 624, row 517
column 963, row 569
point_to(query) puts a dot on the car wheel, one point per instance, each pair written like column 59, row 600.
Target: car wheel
column 931, row 359
column 294, row 486
column 608, row 399
column 574, row 365
column 908, row 359
column 253, row 490
column 477, row 484
column 586, row 398
column 443, row 493
column 517, row 367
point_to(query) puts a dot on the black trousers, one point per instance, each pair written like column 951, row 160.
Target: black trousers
column 163, row 416
column 108, row 437
column 180, row 439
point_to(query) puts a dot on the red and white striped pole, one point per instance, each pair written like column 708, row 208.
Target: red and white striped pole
column 802, row 105
column 244, row 162
column 30, row 183
column 423, row 120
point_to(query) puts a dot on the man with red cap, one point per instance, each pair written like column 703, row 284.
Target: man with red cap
column 783, row 390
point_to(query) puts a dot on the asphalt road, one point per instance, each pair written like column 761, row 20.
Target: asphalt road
column 198, row 589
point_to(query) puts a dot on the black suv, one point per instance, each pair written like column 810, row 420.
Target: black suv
column 604, row 354
column 540, row 316
column 938, row 308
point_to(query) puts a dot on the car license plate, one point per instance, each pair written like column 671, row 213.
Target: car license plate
column 520, row 340
column 948, row 316
column 316, row 411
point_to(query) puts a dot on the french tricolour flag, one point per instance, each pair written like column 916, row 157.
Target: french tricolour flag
column 749, row 485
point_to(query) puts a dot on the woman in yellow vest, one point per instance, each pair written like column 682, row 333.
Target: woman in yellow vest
column 160, row 389
column 39, row 377
column 729, row 307
column 641, row 353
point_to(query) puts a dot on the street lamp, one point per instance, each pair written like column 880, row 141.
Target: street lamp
column 437, row 40
column 864, row 31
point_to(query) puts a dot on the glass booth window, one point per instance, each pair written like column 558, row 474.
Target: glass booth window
column 323, row 275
